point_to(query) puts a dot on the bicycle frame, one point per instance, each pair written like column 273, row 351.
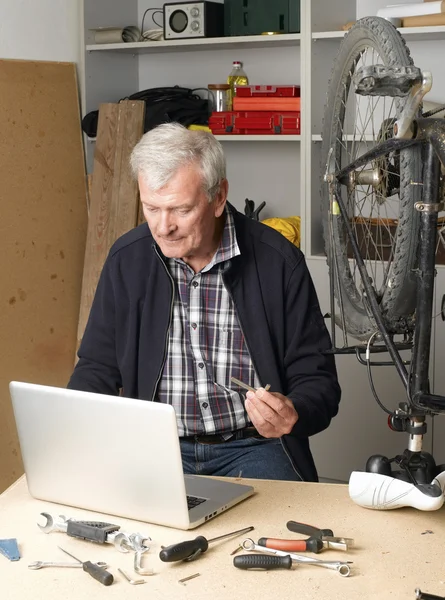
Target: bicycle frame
column 431, row 134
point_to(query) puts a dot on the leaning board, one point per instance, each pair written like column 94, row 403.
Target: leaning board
column 42, row 232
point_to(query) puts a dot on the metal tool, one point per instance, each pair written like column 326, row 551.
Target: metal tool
column 40, row 564
column 237, row 549
column 95, row 531
column 341, row 567
column 184, row 579
column 136, row 542
column 137, row 565
column 101, row 575
column 130, row 580
column 191, row 549
column 329, row 541
column 247, row 387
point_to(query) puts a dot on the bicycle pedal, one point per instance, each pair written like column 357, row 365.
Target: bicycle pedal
column 378, row 80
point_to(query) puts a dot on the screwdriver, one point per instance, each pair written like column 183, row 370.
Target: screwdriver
column 104, row 577
column 191, row 549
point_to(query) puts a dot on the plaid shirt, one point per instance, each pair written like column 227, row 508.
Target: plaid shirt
column 206, row 347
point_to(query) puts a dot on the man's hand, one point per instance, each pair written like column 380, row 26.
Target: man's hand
column 271, row 413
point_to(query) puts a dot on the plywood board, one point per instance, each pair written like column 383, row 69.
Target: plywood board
column 141, row 218
column 42, row 232
column 114, row 192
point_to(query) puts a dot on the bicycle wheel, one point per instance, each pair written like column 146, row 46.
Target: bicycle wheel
column 380, row 196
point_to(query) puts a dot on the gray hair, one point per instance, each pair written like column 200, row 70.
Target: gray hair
column 166, row 148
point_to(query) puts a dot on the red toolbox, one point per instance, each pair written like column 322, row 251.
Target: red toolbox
column 255, row 123
column 265, row 91
column 269, row 104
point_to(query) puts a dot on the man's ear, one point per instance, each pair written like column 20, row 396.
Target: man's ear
column 221, row 197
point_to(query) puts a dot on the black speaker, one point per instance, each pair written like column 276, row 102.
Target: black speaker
column 254, row 17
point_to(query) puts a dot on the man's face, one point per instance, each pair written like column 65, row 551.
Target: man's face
column 180, row 217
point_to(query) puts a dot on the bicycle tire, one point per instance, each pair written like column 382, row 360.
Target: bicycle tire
column 397, row 295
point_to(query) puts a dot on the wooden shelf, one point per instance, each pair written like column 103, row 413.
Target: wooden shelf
column 325, row 35
column 416, row 34
column 316, row 137
column 413, row 34
column 250, row 41
column 258, row 138
column 244, row 138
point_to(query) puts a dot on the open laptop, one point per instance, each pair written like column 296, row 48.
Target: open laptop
column 113, row 455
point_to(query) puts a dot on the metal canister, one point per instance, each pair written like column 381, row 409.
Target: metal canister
column 220, row 96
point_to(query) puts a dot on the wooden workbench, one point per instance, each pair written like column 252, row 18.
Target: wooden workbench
column 396, row 551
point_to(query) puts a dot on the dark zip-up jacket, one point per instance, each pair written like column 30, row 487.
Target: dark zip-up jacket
column 124, row 343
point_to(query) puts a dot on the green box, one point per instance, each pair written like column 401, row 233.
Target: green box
column 254, row 17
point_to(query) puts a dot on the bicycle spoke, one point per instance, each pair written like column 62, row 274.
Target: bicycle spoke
column 372, row 119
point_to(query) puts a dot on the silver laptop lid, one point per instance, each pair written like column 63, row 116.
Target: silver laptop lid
column 105, row 453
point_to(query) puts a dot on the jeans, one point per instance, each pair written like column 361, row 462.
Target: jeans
column 256, row 458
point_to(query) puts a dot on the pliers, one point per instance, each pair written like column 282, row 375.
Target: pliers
column 318, row 540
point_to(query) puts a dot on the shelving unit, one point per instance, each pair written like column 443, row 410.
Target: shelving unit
column 282, row 170
column 114, row 71
column 305, row 58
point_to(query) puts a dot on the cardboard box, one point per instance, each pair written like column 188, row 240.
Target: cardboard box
column 424, row 20
column 381, row 232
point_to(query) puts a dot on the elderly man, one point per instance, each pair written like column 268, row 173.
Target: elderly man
column 198, row 295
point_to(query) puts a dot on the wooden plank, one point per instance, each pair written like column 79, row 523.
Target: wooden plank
column 141, row 218
column 42, row 230
column 89, row 190
column 125, row 194
column 114, row 192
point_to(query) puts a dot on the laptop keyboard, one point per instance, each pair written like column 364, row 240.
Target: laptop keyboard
column 193, row 501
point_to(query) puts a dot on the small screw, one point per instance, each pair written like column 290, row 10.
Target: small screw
column 188, row 578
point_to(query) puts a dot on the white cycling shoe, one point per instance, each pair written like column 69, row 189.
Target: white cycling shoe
column 381, row 492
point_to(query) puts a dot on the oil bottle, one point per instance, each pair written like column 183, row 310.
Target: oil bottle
column 236, row 77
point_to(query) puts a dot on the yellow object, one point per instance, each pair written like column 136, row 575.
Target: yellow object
column 290, row 227
column 236, row 77
column 199, row 128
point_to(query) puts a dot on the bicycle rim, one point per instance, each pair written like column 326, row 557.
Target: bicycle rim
column 379, row 197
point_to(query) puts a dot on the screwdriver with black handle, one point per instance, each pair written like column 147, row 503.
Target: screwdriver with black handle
column 191, row 549
column 102, row 576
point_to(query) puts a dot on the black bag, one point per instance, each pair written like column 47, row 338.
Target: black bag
column 162, row 105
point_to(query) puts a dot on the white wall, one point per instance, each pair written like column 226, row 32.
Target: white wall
column 40, row 30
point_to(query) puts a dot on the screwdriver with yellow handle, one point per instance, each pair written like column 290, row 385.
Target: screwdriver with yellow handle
column 191, row 549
